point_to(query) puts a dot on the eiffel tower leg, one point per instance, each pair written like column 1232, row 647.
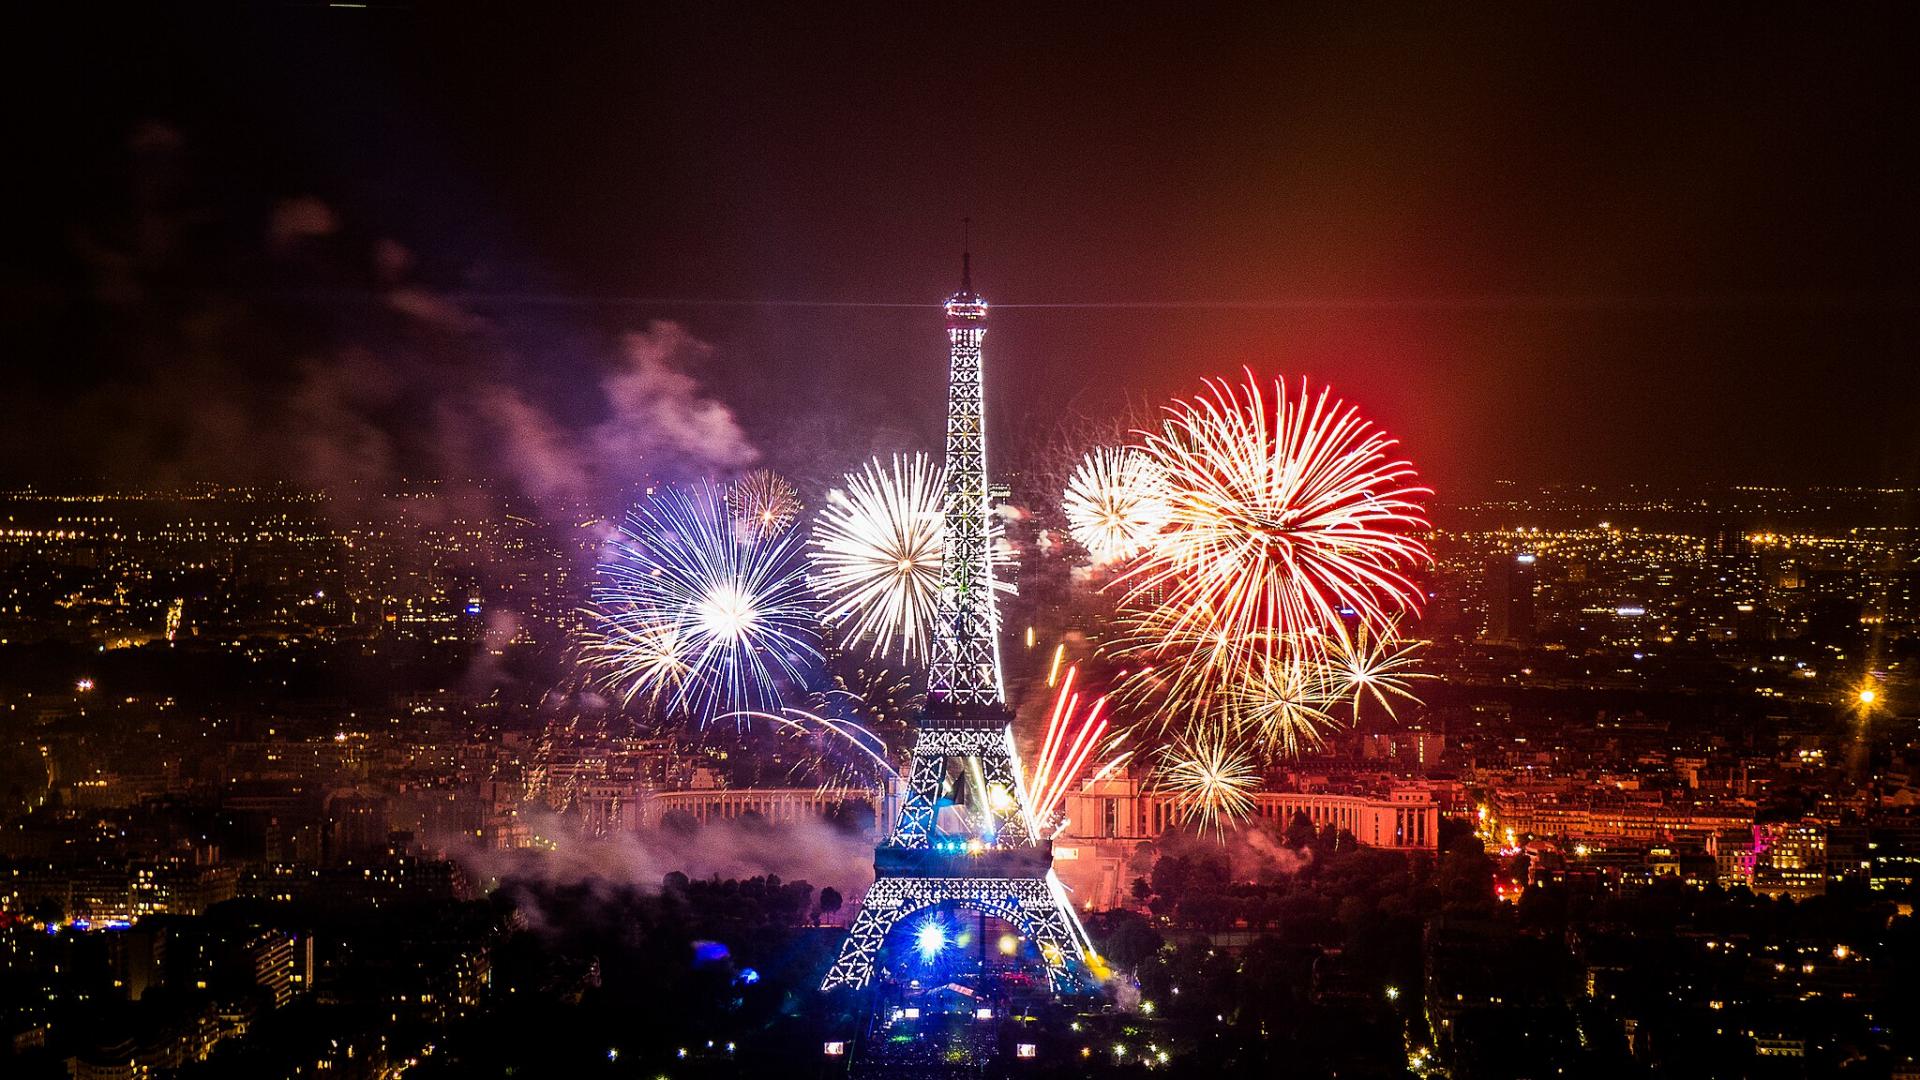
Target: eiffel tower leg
column 879, row 912
column 997, row 770
column 1052, row 932
column 1032, row 904
column 923, row 794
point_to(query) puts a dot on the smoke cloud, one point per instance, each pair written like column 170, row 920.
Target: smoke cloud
column 284, row 343
column 1253, row 852
column 659, row 411
column 812, row 851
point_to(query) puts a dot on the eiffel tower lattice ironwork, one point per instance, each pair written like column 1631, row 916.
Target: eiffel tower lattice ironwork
column 999, row 863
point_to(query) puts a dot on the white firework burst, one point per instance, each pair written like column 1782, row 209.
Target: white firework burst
column 1115, row 501
column 877, row 551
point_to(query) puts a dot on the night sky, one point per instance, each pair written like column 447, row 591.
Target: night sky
column 1661, row 243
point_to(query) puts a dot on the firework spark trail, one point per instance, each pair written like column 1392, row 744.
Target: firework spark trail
column 1069, row 740
column 861, row 737
column 1115, row 502
column 1110, row 767
column 693, row 616
column 794, row 727
column 884, row 697
column 1067, row 770
column 827, row 727
column 1195, row 666
column 1054, row 731
column 877, row 553
column 1281, row 511
column 763, row 503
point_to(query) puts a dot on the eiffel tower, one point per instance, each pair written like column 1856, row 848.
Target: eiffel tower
column 999, row 863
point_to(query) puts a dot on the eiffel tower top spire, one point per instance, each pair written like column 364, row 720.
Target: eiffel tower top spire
column 965, row 307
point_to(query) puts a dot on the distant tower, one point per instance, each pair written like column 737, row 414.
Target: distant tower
column 1510, row 605
column 986, row 855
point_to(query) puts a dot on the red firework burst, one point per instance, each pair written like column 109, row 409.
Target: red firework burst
column 1283, row 514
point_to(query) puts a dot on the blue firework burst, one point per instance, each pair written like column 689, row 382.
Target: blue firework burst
column 697, row 616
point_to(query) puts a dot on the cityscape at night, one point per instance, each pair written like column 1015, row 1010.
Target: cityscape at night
column 738, row 541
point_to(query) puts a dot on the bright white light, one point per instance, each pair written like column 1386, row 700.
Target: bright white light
column 929, row 940
column 726, row 613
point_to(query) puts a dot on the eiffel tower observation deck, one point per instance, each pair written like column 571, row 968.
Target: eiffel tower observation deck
column 965, row 837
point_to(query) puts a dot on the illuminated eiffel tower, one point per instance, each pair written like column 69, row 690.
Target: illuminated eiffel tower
column 996, row 862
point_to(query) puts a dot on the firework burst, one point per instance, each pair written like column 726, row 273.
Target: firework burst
column 641, row 658
column 1286, row 707
column 1262, row 593
column 1281, row 514
column 695, row 617
column 1373, row 664
column 877, row 552
column 1211, row 776
column 1115, row 502
column 763, row 504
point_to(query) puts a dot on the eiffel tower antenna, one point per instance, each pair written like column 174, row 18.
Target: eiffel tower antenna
column 966, row 255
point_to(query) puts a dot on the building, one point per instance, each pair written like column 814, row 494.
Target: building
column 1108, row 821
column 1510, row 582
column 1791, row 859
column 775, row 805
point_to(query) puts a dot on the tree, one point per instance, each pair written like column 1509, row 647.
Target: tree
column 830, row 900
column 1300, row 831
column 851, row 817
column 1466, row 874
column 1170, row 877
column 1129, row 940
column 1327, row 840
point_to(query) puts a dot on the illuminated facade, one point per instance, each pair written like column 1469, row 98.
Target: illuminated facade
column 984, row 855
column 777, row 805
column 1108, row 821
